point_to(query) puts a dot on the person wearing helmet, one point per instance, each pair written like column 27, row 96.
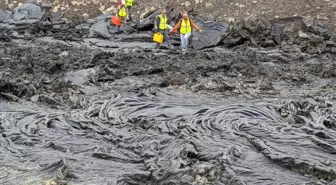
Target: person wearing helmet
column 185, row 25
column 160, row 25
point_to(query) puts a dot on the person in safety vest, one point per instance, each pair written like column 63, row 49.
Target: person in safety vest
column 160, row 25
column 185, row 25
column 129, row 5
column 122, row 11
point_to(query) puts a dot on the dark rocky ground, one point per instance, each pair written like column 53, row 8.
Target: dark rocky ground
column 220, row 10
column 263, row 103
column 39, row 68
column 253, row 56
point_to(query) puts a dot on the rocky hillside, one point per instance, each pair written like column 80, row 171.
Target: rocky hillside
column 214, row 9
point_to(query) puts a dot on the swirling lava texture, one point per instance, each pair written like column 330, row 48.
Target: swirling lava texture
column 145, row 140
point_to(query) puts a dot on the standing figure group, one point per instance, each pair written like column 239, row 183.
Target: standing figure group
column 184, row 26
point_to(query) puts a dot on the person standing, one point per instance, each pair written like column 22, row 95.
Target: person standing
column 122, row 12
column 185, row 25
column 160, row 25
column 129, row 6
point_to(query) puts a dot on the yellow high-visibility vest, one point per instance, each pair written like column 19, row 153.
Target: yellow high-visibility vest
column 185, row 26
column 163, row 22
column 129, row 2
column 122, row 12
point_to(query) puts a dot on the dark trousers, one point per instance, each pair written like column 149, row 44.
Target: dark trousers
column 123, row 21
column 130, row 9
column 165, row 34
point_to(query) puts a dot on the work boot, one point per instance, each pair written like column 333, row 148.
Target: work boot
column 184, row 51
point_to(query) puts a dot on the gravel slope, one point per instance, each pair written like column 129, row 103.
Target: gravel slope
column 221, row 9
